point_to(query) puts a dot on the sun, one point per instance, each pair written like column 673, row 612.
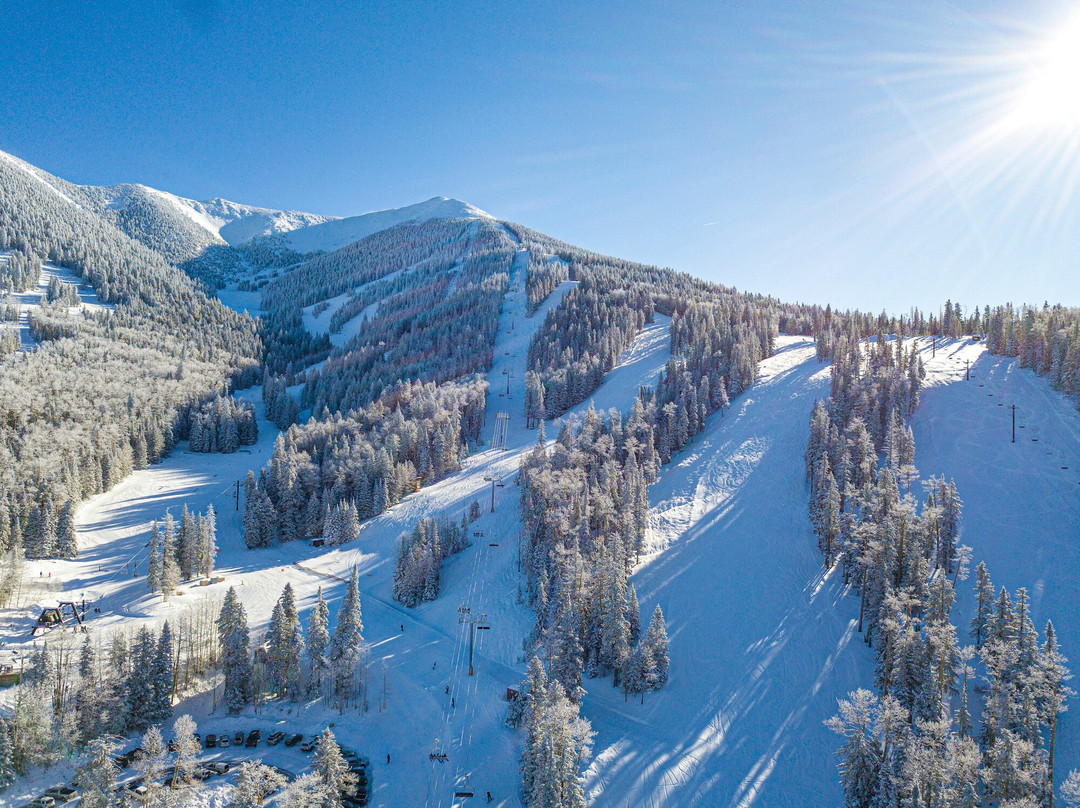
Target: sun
column 1049, row 95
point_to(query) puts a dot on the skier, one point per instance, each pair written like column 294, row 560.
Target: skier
column 387, row 758
column 489, row 796
column 453, row 703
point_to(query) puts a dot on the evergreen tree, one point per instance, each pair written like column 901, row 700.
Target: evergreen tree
column 187, row 545
column 285, row 645
column 1052, row 695
column 318, row 640
column 330, row 769
column 7, row 761
column 254, row 783
column 207, row 553
column 235, row 652
column 655, row 651
column 161, row 678
column 170, row 569
column 347, row 644
column 141, row 706
column 96, row 778
column 153, row 564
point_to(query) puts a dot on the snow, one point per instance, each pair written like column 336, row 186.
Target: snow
column 31, row 299
column 1021, row 508
column 762, row 639
column 331, row 235
column 759, row 650
column 37, row 174
column 321, row 324
column 240, row 302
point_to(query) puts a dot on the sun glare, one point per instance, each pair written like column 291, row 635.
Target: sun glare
column 1050, row 96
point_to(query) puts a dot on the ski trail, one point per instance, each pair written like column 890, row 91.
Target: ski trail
column 759, row 647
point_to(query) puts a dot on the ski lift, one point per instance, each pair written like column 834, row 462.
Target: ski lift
column 63, row 614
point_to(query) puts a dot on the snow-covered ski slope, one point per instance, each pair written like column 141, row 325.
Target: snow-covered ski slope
column 422, row 651
column 759, row 650
column 1021, row 508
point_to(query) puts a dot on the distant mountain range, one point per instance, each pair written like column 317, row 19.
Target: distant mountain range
column 183, row 229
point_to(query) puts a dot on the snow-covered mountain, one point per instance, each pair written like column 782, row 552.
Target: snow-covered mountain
column 224, row 221
column 330, row 235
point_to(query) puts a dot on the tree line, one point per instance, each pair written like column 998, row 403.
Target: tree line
column 914, row 740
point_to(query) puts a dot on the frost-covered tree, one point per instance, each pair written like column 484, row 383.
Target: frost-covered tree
column 285, row 646
column 96, row 777
column 235, row 642
column 318, row 641
column 346, row 647
column 254, row 782
column 170, row 568
column 330, row 769
column 187, row 748
column 153, row 563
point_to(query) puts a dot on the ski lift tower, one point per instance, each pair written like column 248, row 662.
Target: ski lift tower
column 475, row 621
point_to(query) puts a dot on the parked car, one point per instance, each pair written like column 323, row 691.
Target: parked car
column 62, row 793
column 253, row 738
column 294, row 739
column 211, row 741
column 44, row 802
column 202, row 773
column 136, row 787
column 238, row 738
column 218, row 767
column 224, row 741
column 275, row 738
column 309, row 744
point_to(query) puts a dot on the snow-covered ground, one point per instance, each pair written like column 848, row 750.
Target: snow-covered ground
column 763, row 642
column 337, row 233
column 30, row 300
column 240, row 302
column 759, row 650
column 1021, row 507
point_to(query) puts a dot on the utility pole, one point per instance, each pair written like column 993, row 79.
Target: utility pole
column 1013, row 408
column 237, row 495
column 465, row 615
column 491, row 479
column 967, row 370
column 509, row 374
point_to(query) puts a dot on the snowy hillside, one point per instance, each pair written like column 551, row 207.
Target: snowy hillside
column 339, row 232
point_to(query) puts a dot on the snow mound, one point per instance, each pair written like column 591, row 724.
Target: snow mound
column 331, row 235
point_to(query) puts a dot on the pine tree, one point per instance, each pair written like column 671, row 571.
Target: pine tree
column 318, row 640
column 187, row 545
column 655, row 648
column 633, row 613
column 1053, row 693
column 236, row 652
column 153, row 564
column 207, row 555
column 7, row 762
column 96, row 778
column 254, row 783
column 347, row 644
column 67, row 545
column 559, row 742
column 285, row 641
column 330, row 769
column 170, row 569
column 140, row 688
column 161, row 678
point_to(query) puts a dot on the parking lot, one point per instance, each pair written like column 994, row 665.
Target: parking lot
column 222, row 752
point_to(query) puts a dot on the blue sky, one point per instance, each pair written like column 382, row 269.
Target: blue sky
column 843, row 152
